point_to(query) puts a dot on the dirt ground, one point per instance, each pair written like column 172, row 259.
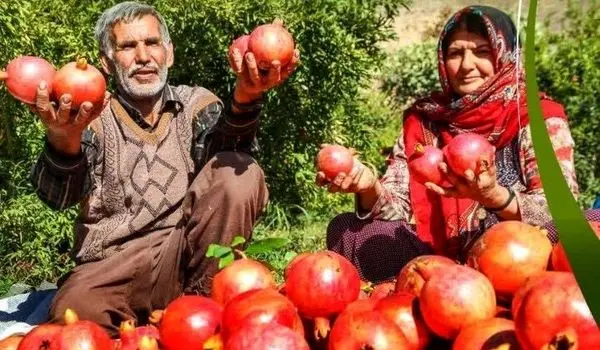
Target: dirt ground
column 411, row 26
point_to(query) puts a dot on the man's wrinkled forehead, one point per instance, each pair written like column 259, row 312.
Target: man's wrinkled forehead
column 139, row 28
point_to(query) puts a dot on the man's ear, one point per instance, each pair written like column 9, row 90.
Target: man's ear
column 170, row 55
column 106, row 64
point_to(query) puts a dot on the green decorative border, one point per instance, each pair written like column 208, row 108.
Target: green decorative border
column 579, row 240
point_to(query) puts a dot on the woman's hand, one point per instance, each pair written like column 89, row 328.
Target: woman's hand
column 481, row 187
column 361, row 179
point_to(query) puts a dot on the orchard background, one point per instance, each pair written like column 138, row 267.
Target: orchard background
column 362, row 62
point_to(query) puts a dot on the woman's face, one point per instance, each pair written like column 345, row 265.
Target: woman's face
column 469, row 61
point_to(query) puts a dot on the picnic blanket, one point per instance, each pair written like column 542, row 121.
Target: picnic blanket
column 24, row 307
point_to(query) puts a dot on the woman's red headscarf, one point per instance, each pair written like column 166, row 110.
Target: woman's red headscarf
column 491, row 111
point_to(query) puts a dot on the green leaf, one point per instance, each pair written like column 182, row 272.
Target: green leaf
column 237, row 240
column 266, row 245
column 226, row 260
column 217, row 251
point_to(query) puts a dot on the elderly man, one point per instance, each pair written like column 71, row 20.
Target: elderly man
column 160, row 172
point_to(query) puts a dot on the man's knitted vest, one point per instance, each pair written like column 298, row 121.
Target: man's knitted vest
column 139, row 178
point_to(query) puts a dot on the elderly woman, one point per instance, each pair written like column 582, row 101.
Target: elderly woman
column 482, row 82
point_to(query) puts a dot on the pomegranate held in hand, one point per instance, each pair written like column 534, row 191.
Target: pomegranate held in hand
column 258, row 307
column 553, row 315
column 334, row 159
column 84, row 82
column 188, row 322
column 410, row 278
column 238, row 277
column 467, row 151
column 23, row 76
column 272, row 336
column 495, row 333
column 321, row 285
column 455, row 297
column 271, row 42
column 508, row 253
column 424, row 163
column 240, row 43
column 403, row 309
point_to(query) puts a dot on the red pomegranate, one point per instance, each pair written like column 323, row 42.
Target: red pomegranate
column 366, row 330
column 382, row 290
column 403, row 309
column 467, row 151
column 321, row 285
column 240, row 43
column 518, row 297
column 80, row 335
column 558, row 258
column 238, row 277
column 24, row 74
column 188, row 322
column 258, row 307
column 334, row 159
column 271, row 42
column 552, row 314
column 424, row 163
column 494, row 333
column 131, row 336
column 40, row 337
column 508, row 253
column 272, row 336
column 293, row 262
column 148, row 343
column 11, row 343
column 455, row 297
column 84, row 82
column 365, row 290
column 410, row 279
column 503, row 312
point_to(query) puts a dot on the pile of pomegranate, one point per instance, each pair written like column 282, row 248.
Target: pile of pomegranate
column 506, row 296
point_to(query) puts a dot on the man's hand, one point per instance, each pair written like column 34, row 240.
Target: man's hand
column 251, row 83
column 64, row 125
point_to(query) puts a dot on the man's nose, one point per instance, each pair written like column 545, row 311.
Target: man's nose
column 141, row 55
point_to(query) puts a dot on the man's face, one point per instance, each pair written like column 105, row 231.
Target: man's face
column 140, row 60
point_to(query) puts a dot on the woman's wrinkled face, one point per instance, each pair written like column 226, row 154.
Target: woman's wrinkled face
column 469, row 61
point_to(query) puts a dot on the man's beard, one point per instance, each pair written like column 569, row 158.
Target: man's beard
column 136, row 91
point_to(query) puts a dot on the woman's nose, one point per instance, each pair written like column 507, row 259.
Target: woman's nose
column 468, row 61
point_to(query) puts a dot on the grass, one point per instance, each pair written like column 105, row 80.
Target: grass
column 304, row 237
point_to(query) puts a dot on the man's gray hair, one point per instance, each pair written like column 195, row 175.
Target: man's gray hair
column 125, row 12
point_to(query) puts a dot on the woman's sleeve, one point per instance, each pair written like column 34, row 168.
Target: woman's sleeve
column 394, row 201
column 532, row 202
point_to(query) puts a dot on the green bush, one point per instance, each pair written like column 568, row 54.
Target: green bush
column 324, row 101
column 567, row 69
